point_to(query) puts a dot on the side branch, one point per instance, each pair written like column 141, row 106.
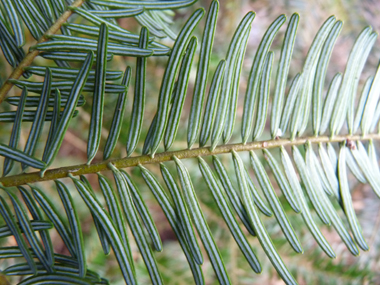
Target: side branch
column 63, row 172
column 28, row 59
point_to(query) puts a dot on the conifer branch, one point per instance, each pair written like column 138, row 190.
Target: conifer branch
column 31, row 55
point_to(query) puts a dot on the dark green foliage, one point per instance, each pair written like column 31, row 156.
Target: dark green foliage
column 256, row 217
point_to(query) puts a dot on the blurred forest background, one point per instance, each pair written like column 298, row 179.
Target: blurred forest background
column 313, row 267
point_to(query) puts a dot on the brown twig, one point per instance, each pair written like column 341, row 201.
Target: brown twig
column 166, row 156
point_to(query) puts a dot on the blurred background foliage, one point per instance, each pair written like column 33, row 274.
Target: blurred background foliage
column 313, row 267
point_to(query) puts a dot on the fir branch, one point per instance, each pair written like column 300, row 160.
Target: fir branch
column 18, row 71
